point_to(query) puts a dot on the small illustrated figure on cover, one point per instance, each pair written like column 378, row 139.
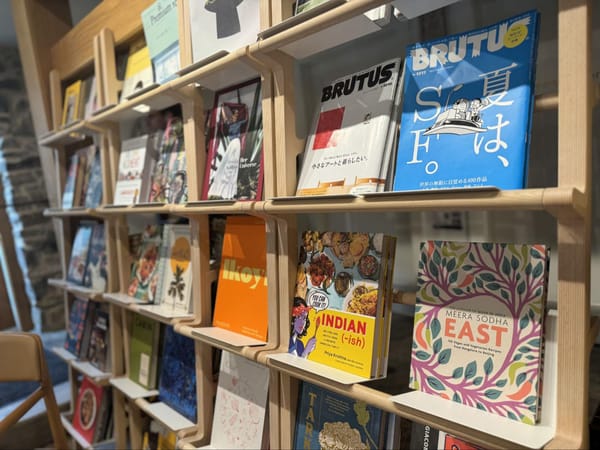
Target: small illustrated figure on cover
column 228, row 21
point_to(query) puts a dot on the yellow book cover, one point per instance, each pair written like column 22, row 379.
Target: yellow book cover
column 241, row 301
column 71, row 103
column 138, row 72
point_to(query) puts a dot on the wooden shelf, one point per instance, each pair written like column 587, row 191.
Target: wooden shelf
column 64, row 354
column 131, row 389
column 72, row 212
column 72, row 134
column 90, row 371
column 81, row 441
column 164, row 414
column 79, row 291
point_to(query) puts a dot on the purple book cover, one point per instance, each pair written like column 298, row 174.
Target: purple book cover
column 478, row 329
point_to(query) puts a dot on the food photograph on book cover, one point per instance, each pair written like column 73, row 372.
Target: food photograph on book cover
column 234, row 169
column 467, row 108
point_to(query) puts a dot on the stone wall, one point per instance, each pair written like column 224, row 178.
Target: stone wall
column 25, row 196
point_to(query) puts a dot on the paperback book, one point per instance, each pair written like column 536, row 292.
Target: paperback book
column 79, row 253
column 133, row 178
column 86, row 161
column 161, row 31
column 138, row 71
column 345, row 151
column 71, row 105
column 79, row 327
column 95, row 270
column 144, row 271
column 71, row 186
column 478, row 326
column 144, row 351
column 343, row 290
column 467, row 108
column 99, row 352
column 325, row 419
column 426, row 437
column 92, row 408
column 240, row 257
column 93, row 193
column 234, row 169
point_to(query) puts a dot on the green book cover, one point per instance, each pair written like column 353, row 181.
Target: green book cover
column 143, row 351
column 161, row 31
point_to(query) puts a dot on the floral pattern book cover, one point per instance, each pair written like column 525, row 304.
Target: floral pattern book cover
column 478, row 326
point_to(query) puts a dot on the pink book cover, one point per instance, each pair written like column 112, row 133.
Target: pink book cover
column 478, row 326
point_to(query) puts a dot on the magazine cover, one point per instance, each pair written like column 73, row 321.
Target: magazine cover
column 88, row 405
column 478, row 326
column 325, row 419
column 339, row 303
column 466, row 116
column 79, row 253
column 161, row 31
column 144, row 272
column 234, row 168
column 222, row 25
column 95, row 270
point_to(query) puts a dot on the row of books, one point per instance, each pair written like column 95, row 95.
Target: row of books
column 92, row 417
column 80, row 101
column 83, row 186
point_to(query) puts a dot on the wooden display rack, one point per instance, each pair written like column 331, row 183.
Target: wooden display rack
column 109, row 27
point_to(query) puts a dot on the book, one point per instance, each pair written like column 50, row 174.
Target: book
column 177, row 379
column 242, row 278
column 79, row 253
column 144, row 351
column 325, row 419
column 174, row 290
column 343, row 289
column 95, row 269
column 222, row 26
column 234, row 169
column 79, row 327
column 144, row 271
column 240, row 413
column 99, row 351
column 345, row 151
column 138, row 72
column 473, row 93
column 90, row 98
column 426, row 437
column 93, row 193
column 71, row 103
column 478, row 325
column 90, row 409
column 306, row 5
column 161, row 31
column 73, row 182
column 86, row 161
column 133, row 179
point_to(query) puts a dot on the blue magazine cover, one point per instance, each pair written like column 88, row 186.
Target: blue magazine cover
column 325, row 419
column 467, row 108
column 177, row 380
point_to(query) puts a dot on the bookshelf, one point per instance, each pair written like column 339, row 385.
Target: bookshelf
column 285, row 47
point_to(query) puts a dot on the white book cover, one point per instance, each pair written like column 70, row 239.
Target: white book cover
column 346, row 146
column 222, row 25
column 240, row 404
column 174, row 290
column 134, row 171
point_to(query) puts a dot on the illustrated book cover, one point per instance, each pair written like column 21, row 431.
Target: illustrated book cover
column 79, row 327
column 79, row 253
column 240, row 413
column 86, row 162
column 242, row 278
column 478, row 325
column 90, row 407
column 426, row 437
column 177, row 379
column 138, row 71
column 98, row 351
column 95, row 270
column 467, row 108
column 222, row 25
column 135, row 167
column 343, row 289
column 144, row 277
column 174, row 290
column 345, row 151
column 71, row 103
column 234, row 168
column 93, row 193
column 73, row 182
column 325, row 419
column 144, row 351
column 161, row 31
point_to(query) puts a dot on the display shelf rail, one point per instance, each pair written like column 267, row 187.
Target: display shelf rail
column 79, row 291
column 72, row 134
column 72, row 212
column 131, row 389
column 64, row 354
column 90, row 371
column 121, row 299
column 164, row 414
column 66, row 418
column 160, row 313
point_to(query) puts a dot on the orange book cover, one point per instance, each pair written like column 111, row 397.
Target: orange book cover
column 241, row 301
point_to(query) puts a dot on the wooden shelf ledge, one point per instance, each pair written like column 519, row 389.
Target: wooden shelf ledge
column 76, row 132
column 92, row 372
column 141, row 209
column 164, row 414
column 79, row 291
column 66, row 418
column 72, row 212
column 131, row 389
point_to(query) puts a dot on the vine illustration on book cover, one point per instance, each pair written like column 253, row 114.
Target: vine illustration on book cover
column 478, row 328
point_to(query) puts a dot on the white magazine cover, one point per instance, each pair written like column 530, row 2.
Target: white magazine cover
column 134, row 171
column 346, row 148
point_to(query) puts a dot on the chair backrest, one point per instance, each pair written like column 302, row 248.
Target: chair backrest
column 23, row 359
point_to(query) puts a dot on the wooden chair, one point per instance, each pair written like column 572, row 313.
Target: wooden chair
column 23, row 359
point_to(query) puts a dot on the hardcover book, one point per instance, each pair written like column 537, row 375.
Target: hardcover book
column 234, row 169
column 343, row 289
column 242, row 278
column 133, row 179
column 222, row 25
column 471, row 93
column 426, row 437
column 138, row 72
column 95, row 270
column 345, row 151
column 93, row 193
column 90, row 409
column 99, row 352
column 177, row 380
column 144, row 271
column 144, row 351
column 73, row 182
column 79, row 327
column 326, row 419
column 90, row 100
column 478, row 326
column 161, row 31
column 71, row 105
column 240, row 412
column 86, row 161
column 174, row 290
column 79, row 253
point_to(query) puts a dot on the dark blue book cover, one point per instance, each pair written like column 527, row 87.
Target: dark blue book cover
column 177, row 379
column 93, row 195
column 325, row 419
column 95, row 272
column 76, row 325
column 467, row 108
column 79, row 253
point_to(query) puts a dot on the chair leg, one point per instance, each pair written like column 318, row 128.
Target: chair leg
column 56, row 427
